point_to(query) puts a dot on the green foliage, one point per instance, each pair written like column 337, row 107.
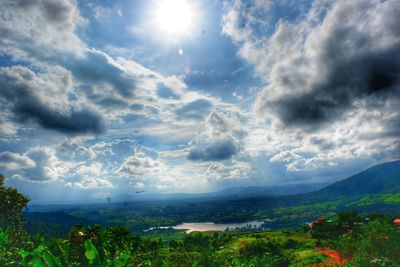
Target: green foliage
column 11, row 205
column 91, row 252
column 40, row 256
column 196, row 242
column 372, row 244
column 376, row 244
column 346, row 222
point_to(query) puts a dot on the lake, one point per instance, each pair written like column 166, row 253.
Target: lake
column 209, row 226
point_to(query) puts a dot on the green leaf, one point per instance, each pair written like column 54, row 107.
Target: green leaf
column 51, row 260
column 23, row 253
column 37, row 262
column 38, row 250
column 91, row 252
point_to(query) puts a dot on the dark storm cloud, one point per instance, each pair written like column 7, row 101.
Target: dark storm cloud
column 96, row 67
column 75, row 122
column 320, row 70
column 213, row 152
column 373, row 74
column 29, row 97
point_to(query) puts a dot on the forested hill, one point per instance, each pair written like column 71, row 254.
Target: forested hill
column 379, row 179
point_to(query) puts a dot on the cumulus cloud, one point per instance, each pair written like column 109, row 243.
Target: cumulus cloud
column 233, row 170
column 43, row 98
column 317, row 68
column 332, row 78
column 139, row 166
column 39, row 164
column 219, row 140
column 90, row 183
column 92, row 176
column 15, row 161
column 97, row 67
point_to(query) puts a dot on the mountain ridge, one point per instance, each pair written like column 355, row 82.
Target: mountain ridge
column 378, row 179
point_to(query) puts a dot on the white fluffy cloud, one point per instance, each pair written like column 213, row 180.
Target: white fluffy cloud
column 92, row 176
column 139, row 166
column 47, row 166
column 90, row 183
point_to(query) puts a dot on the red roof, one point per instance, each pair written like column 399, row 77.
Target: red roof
column 397, row 221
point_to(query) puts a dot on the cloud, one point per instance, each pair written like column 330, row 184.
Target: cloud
column 43, row 165
column 43, row 99
column 58, row 82
column 42, row 34
column 90, row 183
column 219, row 139
column 373, row 76
column 96, row 67
column 14, row 161
column 197, row 109
column 330, row 96
column 8, row 129
column 91, row 177
column 332, row 80
column 285, row 156
column 40, row 29
column 139, row 166
column 318, row 67
column 97, row 83
column 213, row 152
column 235, row 169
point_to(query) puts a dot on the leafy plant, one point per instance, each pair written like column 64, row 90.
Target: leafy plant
column 11, row 205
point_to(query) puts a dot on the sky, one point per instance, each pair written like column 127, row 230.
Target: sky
column 101, row 98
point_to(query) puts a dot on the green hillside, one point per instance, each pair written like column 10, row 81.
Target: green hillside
column 376, row 189
column 379, row 179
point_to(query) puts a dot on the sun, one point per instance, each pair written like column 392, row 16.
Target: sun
column 174, row 16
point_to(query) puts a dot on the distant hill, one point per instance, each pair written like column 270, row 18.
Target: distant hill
column 379, row 179
column 281, row 190
column 376, row 189
column 229, row 193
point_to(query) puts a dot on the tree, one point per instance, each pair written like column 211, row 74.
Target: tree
column 11, row 205
column 347, row 219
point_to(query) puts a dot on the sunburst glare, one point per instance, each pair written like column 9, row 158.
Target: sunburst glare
column 174, row 16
